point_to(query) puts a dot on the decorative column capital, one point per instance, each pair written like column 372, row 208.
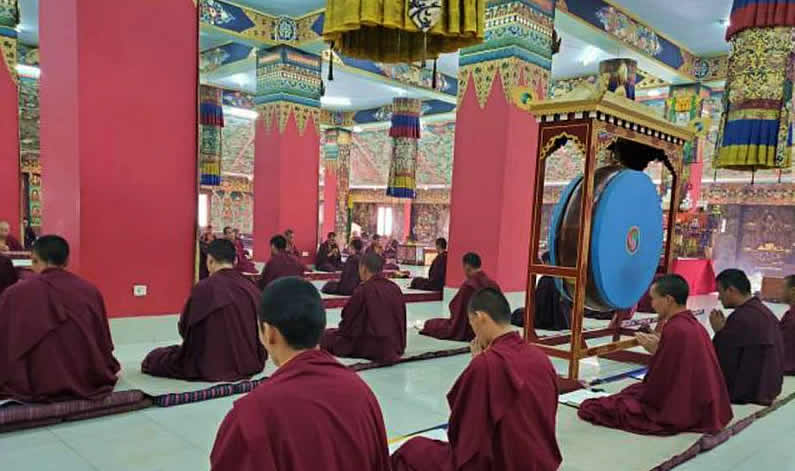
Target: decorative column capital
column 519, row 47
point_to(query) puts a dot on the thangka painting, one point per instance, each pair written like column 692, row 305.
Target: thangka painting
column 238, row 149
column 234, row 209
column 34, row 199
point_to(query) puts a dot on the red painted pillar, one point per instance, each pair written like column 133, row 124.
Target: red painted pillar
column 118, row 145
column 495, row 153
column 287, row 153
column 10, row 204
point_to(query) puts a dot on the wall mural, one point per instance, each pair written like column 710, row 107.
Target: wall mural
column 238, row 149
column 231, row 208
column 29, row 119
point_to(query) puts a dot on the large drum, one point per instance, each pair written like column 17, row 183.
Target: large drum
column 626, row 237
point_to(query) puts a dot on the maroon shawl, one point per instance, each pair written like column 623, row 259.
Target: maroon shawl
column 787, row 325
column 683, row 390
column 349, row 279
column 56, row 338
column 373, row 324
column 502, row 417
column 8, row 274
column 436, row 275
column 219, row 331
column 751, row 354
column 244, row 263
column 326, row 260
column 13, row 244
column 280, row 266
column 457, row 326
column 312, row 414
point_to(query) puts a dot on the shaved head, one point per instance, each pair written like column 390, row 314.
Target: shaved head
column 5, row 229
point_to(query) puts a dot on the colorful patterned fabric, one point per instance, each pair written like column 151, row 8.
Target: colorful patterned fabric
column 757, row 123
column 211, row 120
column 393, row 31
column 15, row 417
column 405, row 133
column 214, row 392
column 760, row 13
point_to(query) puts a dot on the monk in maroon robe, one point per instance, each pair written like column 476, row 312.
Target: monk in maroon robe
column 218, row 327
column 313, row 413
column 281, row 263
column 749, row 344
column 552, row 311
column 683, row 390
column 350, row 273
column 787, row 325
column 8, row 243
column 373, row 322
column 438, row 271
column 291, row 249
column 375, row 246
column 502, row 407
column 457, row 326
column 55, row 334
column 328, row 257
column 8, row 274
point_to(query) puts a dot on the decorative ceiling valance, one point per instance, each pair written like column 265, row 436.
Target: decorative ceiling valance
column 402, row 31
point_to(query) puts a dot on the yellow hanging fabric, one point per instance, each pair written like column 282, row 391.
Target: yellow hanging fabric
column 387, row 31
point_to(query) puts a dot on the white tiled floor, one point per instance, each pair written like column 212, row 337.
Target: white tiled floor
column 412, row 397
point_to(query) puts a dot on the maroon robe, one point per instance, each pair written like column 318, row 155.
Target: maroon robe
column 219, row 331
column 13, row 244
column 56, row 340
column 751, row 354
column 457, row 326
column 436, row 275
column 280, row 266
column 312, row 414
column 552, row 312
column 787, row 325
column 292, row 250
column 373, row 324
column 8, row 274
column 325, row 261
column 502, row 416
column 244, row 263
column 683, row 390
column 349, row 279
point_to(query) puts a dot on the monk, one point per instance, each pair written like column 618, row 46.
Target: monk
column 8, row 274
column 375, row 246
column 438, row 271
column 502, row 407
column 218, row 327
column 373, row 322
column 552, row 311
column 748, row 344
column 788, row 326
column 8, row 243
column 328, row 257
column 289, row 234
column 683, row 390
column 313, row 413
column 281, row 263
column 457, row 326
column 55, row 335
column 390, row 256
column 244, row 264
column 350, row 273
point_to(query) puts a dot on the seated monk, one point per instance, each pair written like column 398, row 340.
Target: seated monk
column 507, row 396
column 437, row 273
column 788, row 326
column 243, row 263
column 373, row 322
column 56, row 340
column 375, row 246
column 218, row 327
column 313, row 413
column 350, row 273
column 390, row 256
column 328, row 257
column 8, row 274
column 281, row 263
column 748, row 344
column 289, row 235
column 683, row 390
column 552, row 311
column 8, row 243
column 457, row 326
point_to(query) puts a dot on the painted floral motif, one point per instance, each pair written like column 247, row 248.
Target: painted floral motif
column 425, row 13
column 213, row 59
column 286, row 29
column 214, row 13
column 629, row 30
